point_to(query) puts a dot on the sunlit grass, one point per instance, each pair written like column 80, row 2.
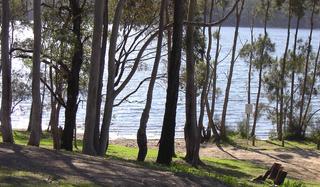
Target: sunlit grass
column 228, row 171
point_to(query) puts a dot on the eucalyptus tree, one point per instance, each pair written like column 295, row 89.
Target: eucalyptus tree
column 302, row 122
column 36, row 100
column 191, row 129
column 76, row 11
column 239, row 10
column 6, row 100
column 298, row 10
column 137, row 26
column 141, row 134
column 283, row 72
column 166, row 143
column 88, row 138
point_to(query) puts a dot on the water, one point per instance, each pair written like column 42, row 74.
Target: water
column 126, row 117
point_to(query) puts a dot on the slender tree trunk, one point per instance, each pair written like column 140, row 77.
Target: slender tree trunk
column 104, row 134
column 314, row 76
column 256, row 112
column 90, row 122
column 73, row 77
column 205, row 59
column 34, row 139
column 291, row 125
column 100, row 85
column 304, row 85
column 283, row 71
column 191, row 129
column 6, row 101
column 233, row 59
column 141, row 135
column 214, row 83
column 166, row 147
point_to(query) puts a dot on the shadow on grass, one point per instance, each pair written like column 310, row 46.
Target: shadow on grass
column 21, row 181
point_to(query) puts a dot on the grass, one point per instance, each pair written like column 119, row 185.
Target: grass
column 228, row 171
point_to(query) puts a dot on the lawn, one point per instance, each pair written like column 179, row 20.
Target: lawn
column 228, row 171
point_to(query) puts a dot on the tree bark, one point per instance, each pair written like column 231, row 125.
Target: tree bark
column 223, row 134
column 291, row 125
column 283, row 71
column 6, row 101
column 191, row 129
column 102, row 64
column 166, row 142
column 256, row 111
column 104, row 134
column 34, row 139
column 142, row 135
column 304, row 85
column 90, row 121
column 73, row 77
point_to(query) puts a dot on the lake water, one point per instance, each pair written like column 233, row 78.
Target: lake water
column 126, row 117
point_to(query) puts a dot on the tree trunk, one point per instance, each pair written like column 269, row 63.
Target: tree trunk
column 100, row 85
column 314, row 76
column 90, row 122
column 291, row 125
column 34, row 139
column 304, row 85
column 104, row 134
column 233, row 59
column 6, row 101
column 166, row 146
column 256, row 112
column 191, row 129
column 141, row 135
column 73, row 77
column 283, row 71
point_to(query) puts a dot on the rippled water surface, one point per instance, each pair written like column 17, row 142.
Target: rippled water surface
column 125, row 120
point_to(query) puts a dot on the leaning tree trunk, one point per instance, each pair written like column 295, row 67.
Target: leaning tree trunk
column 90, row 122
column 223, row 134
column 256, row 112
column 6, row 101
column 141, row 135
column 34, row 139
column 304, row 85
column 166, row 147
column 73, row 77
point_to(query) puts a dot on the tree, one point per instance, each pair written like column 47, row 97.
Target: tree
column 298, row 11
column 36, row 100
column 166, row 142
column 73, row 75
column 283, row 72
column 88, row 139
column 302, row 122
column 6, row 100
column 239, row 9
column 141, row 135
column 191, row 129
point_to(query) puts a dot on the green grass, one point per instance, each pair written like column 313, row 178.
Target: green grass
column 231, row 172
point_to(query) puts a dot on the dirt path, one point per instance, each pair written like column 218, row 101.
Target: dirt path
column 301, row 164
column 100, row 171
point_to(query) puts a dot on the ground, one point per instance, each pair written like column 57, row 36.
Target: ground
column 53, row 166
column 230, row 164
